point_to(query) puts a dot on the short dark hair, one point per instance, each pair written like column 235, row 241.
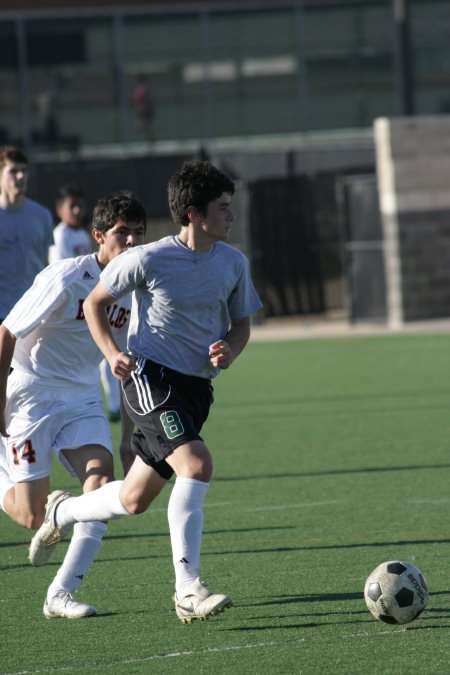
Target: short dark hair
column 69, row 190
column 197, row 184
column 118, row 206
column 9, row 153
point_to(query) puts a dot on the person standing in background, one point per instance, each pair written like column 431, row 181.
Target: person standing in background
column 143, row 107
column 71, row 236
column 26, row 230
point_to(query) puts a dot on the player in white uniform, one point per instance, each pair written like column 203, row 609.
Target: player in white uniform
column 52, row 398
column 71, row 240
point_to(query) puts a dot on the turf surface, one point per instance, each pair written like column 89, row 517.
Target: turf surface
column 330, row 457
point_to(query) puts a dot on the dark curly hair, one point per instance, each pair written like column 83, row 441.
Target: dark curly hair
column 196, row 184
column 118, row 206
column 69, row 190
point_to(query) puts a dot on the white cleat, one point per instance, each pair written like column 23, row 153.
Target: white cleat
column 49, row 534
column 64, row 606
column 199, row 603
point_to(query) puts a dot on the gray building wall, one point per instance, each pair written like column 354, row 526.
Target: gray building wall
column 413, row 168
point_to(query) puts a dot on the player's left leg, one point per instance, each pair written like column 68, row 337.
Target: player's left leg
column 192, row 464
column 94, row 467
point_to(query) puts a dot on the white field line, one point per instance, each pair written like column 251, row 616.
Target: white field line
column 209, row 650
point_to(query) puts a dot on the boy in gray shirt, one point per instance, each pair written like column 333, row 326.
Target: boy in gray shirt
column 193, row 297
column 26, row 229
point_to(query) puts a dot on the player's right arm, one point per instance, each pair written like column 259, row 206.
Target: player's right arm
column 94, row 308
column 7, row 344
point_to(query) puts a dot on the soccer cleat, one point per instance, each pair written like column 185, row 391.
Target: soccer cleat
column 199, row 603
column 64, row 606
column 49, row 534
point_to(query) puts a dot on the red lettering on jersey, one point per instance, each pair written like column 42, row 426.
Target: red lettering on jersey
column 122, row 317
column 118, row 316
column 80, row 314
column 110, row 311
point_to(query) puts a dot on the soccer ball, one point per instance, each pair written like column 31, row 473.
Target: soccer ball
column 396, row 592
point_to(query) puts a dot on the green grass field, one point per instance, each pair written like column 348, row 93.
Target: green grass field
column 330, row 457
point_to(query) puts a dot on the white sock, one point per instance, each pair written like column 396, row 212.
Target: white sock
column 185, row 517
column 85, row 543
column 5, row 486
column 100, row 504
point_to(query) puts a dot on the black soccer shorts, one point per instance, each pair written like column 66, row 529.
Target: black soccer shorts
column 168, row 409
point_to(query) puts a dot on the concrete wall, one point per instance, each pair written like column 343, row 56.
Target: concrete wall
column 413, row 169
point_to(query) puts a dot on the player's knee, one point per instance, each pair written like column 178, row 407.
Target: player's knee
column 31, row 519
column 96, row 481
column 135, row 504
column 202, row 468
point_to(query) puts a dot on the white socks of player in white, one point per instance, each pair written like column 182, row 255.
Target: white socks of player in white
column 100, row 504
column 85, row 543
column 185, row 517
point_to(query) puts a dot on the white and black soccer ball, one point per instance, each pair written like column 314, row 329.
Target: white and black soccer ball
column 396, row 592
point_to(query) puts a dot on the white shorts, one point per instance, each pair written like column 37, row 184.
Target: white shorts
column 41, row 419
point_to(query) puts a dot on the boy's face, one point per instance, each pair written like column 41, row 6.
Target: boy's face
column 118, row 239
column 72, row 211
column 14, row 180
column 216, row 223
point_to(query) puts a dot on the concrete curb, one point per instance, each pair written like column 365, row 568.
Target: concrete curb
column 297, row 328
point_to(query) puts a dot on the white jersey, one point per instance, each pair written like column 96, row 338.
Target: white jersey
column 70, row 242
column 54, row 342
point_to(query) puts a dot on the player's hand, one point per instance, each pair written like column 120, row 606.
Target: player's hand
column 220, row 354
column 127, row 457
column 122, row 365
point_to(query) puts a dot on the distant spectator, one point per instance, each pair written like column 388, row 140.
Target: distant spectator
column 26, row 230
column 143, row 107
column 71, row 236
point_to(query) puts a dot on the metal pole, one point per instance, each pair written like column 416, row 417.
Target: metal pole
column 24, row 91
column 208, row 100
column 119, row 83
column 302, row 73
column 404, row 60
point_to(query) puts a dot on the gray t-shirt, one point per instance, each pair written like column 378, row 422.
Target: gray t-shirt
column 25, row 237
column 183, row 300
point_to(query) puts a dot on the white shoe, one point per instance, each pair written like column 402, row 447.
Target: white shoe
column 64, row 606
column 199, row 603
column 49, row 534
